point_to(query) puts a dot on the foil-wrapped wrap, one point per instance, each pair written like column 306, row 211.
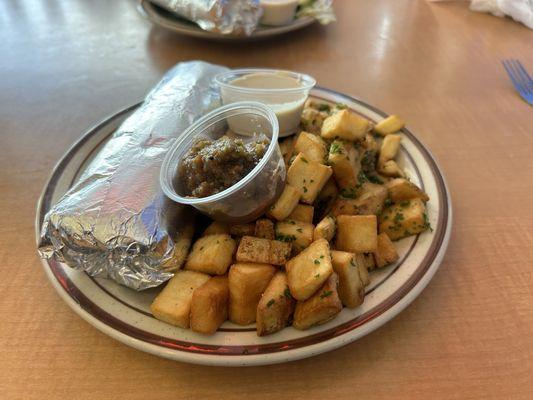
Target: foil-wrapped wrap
column 115, row 221
column 236, row 17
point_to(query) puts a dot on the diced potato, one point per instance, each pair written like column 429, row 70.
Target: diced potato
column 368, row 261
column 320, row 308
column 173, row 304
column 391, row 169
column 247, row 282
column 361, row 263
column 386, row 252
column 264, row 228
column 345, row 125
column 309, row 270
column 344, row 159
column 297, row 232
column 302, row 212
column 401, row 189
column 326, row 198
column 344, row 206
column 182, row 245
column 286, row 203
column 312, row 120
column 404, row 219
column 211, row 254
column 242, row 229
column 389, row 125
column 287, row 148
column 370, row 144
column 216, row 228
column 357, row 233
column 389, row 148
column 275, row 307
column 325, row 229
column 209, row 305
column 311, row 146
column 371, row 202
column 351, row 287
column 309, row 176
column 252, row 249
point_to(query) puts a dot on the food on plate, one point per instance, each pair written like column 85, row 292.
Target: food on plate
column 173, row 304
column 211, row 254
column 286, row 203
column 209, row 305
column 247, row 282
column 351, row 286
column 211, row 166
column 309, row 176
column 275, row 307
column 357, row 233
column 405, row 218
column 321, row 307
column 336, row 219
column 389, row 125
column 307, row 271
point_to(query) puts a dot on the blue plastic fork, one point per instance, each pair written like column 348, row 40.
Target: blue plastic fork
column 520, row 78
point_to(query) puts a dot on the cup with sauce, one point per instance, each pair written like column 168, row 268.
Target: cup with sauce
column 285, row 92
column 229, row 176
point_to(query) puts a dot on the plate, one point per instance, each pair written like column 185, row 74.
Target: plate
column 124, row 314
column 166, row 19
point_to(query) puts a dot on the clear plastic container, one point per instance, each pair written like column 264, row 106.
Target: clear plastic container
column 249, row 198
column 283, row 91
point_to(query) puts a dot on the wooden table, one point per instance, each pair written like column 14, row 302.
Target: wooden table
column 64, row 65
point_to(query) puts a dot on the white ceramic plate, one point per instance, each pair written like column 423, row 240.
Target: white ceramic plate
column 124, row 314
column 166, row 19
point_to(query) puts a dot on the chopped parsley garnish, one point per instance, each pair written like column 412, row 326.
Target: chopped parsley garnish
column 352, row 263
column 287, row 293
column 285, row 238
column 317, row 261
column 317, row 276
column 299, row 230
column 323, row 107
column 305, row 189
column 398, row 217
column 270, row 302
column 325, row 294
column 388, row 202
column 341, row 106
column 335, row 148
column 405, row 203
column 304, row 159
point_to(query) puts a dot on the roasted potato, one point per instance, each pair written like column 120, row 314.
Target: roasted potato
column 357, row 233
column 247, row 282
column 371, row 202
column 386, row 252
column 404, row 219
column 286, row 203
column 302, row 212
column 344, row 159
column 211, row 254
column 389, row 148
column 287, row 148
column 311, row 146
column 351, row 287
column 252, row 249
column 345, row 125
column 401, row 189
column 368, row 261
column 391, row 169
column 312, row 120
column 325, row 199
column 325, row 229
column 389, row 125
column 309, row 176
column 173, row 304
column 320, row 308
column 182, row 245
column 300, row 234
column 309, row 270
column 344, row 206
column 361, row 262
column 264, row 228
column 275, row 307
column 216, row 228
column 209, row 305
column 242, row 229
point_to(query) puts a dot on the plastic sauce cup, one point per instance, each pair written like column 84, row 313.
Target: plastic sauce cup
column 285, row 92
column 250, row 197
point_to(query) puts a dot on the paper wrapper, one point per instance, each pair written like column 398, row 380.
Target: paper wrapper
column 236, row 17
column 115, row 221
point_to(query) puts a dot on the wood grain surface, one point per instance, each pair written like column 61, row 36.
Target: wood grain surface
column 65, row 65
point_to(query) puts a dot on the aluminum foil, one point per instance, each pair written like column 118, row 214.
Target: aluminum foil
column 235, row 17
column 115, row 221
